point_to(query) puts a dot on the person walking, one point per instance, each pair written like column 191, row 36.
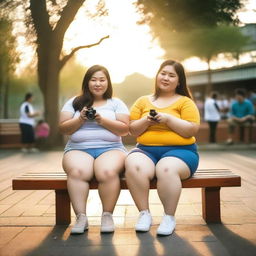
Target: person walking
column 27, row 123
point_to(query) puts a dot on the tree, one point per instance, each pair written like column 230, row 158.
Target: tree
column 50, row 20
column 202, row 28
column 184, row 15
column 207, row 43
column 8, row 60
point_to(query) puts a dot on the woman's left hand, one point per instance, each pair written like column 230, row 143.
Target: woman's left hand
column 98, row 118
column 161, row 117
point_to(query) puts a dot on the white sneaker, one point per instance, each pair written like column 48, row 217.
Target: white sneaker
column 81, row 224
column 107, row 223
column 167, row 225
column 24, row 150
column 144, row 222
column 33, row 150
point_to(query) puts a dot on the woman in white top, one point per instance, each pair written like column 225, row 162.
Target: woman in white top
column 27, row 123
column 94, row 147
column 212, row 115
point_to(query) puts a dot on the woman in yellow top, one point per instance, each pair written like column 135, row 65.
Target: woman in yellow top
column 166, row 145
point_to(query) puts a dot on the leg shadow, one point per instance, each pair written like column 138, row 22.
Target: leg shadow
column 233, row 243
column 59, row 242
column 146, row 245
column 175, row 245
column 105, row 246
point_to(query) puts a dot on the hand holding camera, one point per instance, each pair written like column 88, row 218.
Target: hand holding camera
column 152, row 113
column 90, row 113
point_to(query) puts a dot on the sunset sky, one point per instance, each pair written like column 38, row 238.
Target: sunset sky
column 130, row 48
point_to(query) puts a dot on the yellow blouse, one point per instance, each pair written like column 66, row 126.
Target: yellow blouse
column 160, row 134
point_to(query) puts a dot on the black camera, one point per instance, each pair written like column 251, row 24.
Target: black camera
column 90, row 113
column 152, row 113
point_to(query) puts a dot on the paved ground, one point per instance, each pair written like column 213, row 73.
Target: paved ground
column 27, row 217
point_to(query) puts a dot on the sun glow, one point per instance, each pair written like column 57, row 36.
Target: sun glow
column 129, row 49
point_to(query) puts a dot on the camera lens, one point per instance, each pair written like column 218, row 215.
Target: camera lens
column 152, row 112
column 90, row 113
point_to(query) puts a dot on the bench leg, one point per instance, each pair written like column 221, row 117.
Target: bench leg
column 211, row 204
column 62, row 207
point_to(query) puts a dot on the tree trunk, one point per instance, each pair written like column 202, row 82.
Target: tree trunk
column 51, row 107
column 48, row 77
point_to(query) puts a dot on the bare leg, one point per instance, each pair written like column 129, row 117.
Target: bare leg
column 231, row 129
column 170, row 171
column 140, row 169
column 79, row 168
column 107, row 168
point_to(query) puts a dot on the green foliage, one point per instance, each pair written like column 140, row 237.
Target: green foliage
column 184, row 15
column 200, row 28
column 8, row 60
column 8, row 54
column 207, row 43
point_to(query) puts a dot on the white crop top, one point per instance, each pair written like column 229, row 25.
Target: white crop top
column 91, row 134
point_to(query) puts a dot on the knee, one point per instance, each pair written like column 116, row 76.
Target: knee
column 165, row 172
column 79, row 174
column 106, row 175
column 132, row 169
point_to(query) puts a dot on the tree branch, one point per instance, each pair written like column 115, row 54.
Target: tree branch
column 67, row 16
column 67, row 57
column 40, row 19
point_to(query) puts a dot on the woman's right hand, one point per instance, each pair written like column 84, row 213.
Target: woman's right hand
column 82, row 116
column 151, row 120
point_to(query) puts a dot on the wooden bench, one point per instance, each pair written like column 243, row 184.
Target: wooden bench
column 10, row 135
column 210, row 180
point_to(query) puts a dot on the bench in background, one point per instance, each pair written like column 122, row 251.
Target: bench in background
column 210, row 180
column 10, row 136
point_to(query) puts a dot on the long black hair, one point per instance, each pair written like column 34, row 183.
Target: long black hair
column 86, row 98
column 182, row 88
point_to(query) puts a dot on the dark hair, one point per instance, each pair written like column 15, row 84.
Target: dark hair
column 86, row 98
column 28, row 96
column 240, row 91
column 182, row 88
column 214, row 95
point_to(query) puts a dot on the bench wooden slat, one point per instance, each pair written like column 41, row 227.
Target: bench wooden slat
column 57, row 180
column 10, row 134
column 210, row 180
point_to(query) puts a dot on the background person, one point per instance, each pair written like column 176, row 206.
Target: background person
column 27, row 123
column 241, row 114
column 212, row 115
column 42, row 129
column 95, row 147
column 224, row 106
column 166, row 145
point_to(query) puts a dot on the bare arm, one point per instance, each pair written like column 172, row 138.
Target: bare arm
column 137, row 127
column 184, row 128
column 120, row 126
column 68, row 124
column 34, row 114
